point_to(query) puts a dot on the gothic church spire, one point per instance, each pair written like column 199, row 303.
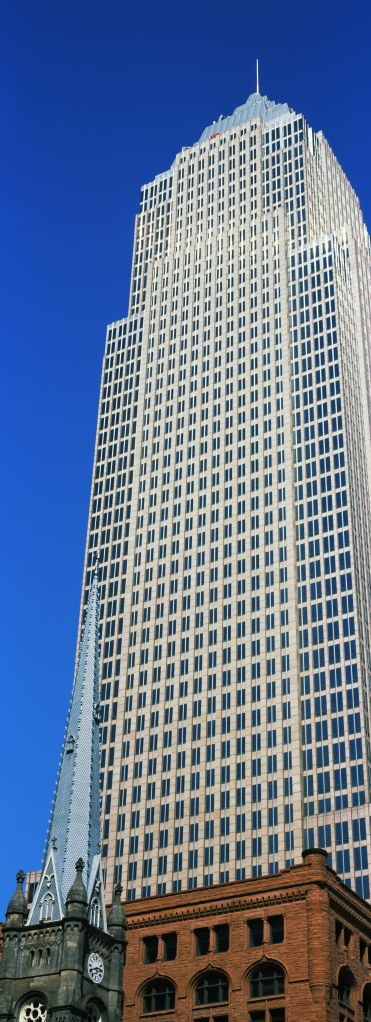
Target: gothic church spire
column 74, row 827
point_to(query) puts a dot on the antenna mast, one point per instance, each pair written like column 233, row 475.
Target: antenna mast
column 257, row 76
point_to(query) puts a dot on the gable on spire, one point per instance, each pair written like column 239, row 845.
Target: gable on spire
column 74, row 828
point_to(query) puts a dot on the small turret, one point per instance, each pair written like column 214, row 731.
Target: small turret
column 77, row 898
column 116, row 921
column 16, row 912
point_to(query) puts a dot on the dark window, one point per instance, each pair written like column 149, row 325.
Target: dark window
column 159, row 995
column 276, row 929
column 202, row 940
column 150, row 949
column 366, row 1005
column 169, row 940
column 267, row 981
column 345, row 987
column 212, row 989
column 255, row 932
column 344, row 992
column 347, row 937
column 221, row 938
column 342, row 934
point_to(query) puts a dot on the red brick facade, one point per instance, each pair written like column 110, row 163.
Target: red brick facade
column 295, row 947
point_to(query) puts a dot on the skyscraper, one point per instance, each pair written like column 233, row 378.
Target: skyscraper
column 230, row 510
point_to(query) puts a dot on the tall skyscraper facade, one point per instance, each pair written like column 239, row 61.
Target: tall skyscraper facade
column 230, row 511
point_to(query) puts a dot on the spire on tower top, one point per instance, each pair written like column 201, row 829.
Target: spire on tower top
column 257, row 77
column 74, row 827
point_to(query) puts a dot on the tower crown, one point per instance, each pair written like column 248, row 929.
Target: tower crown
column 256, row 106
column 74, row 828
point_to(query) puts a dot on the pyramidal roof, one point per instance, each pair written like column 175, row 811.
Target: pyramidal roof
column 256, row 106
column 74, row 827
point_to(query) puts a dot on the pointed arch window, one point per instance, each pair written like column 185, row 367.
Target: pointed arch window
column 267, row 990
column 95, row 1012
column 95, row 913
column 46, row 908
column 212, row 988
column 346, row 985
column 158, row 995
column 366, row 1004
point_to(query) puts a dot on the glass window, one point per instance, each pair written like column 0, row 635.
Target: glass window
column 159, row 995
column 212, row 989
column 366, row 1004
column 150, row 949
column 202, row 940
column 170, row 946
column 255, row 932
column 221, row 938
column 346, row 996
column 276, row 929
column 267, row 981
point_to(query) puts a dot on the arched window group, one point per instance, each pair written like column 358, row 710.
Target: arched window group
column 46, row 908
column 266, row 992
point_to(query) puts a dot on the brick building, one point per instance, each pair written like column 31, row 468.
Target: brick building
column 294, row 947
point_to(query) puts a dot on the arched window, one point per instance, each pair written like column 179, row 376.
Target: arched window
column 95, row 913
column 95, row 1012
column 46, row 908
column 212, row 988
column 34, row 1010
column 345, row 994
column 267, row 981
column 366, row 1004
column 158, row 995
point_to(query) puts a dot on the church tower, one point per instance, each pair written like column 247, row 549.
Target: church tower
column 63, row 959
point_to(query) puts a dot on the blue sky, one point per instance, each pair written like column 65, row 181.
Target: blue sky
column 97, row 97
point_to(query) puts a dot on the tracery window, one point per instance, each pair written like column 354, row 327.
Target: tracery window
column 95, row 913
column 34, row 1010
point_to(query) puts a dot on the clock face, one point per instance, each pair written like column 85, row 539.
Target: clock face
column 95, row 967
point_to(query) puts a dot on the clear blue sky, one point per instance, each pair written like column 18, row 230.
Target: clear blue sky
column 97, row 97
